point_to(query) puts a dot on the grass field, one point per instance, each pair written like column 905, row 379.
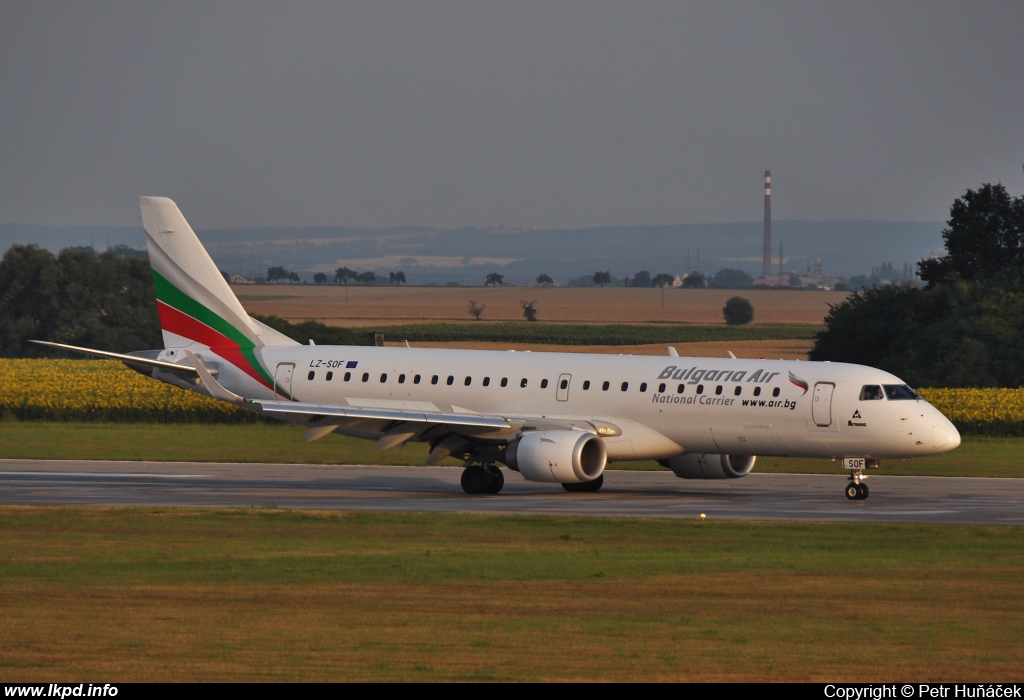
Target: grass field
column 385, row 305
column 120, row 595
column 977, row 456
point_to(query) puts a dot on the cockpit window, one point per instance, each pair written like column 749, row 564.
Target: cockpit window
column 900, row 392
column 871, row 392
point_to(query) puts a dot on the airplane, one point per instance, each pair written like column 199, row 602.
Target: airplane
column 558, row 418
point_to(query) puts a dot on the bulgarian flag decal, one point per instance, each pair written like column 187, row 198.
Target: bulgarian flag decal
column 799, row 382
column 182, row 315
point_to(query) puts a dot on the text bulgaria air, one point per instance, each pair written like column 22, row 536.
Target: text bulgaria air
column 693, row 375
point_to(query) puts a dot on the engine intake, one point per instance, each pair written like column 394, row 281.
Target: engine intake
column 558, row 456
column 709, row 466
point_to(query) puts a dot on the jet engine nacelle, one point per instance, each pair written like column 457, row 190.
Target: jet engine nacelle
column 701, row 466
column 558, row 456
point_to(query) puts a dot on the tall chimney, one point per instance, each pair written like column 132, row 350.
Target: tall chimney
column 767, row 266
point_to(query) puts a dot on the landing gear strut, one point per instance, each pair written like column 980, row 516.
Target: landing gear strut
column 482, row 478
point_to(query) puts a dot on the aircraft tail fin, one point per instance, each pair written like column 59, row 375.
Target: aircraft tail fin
column 196, row 305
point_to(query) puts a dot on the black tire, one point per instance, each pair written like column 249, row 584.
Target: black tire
column 585, row 487
column 863, row 491
column 852, row 491
column 474, row 479
column 495, row 480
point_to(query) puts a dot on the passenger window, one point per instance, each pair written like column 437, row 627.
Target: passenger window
column 469, row 380
column 700, row 388
column 757, row 391
column 586, row 385
column 775, row 391
column 401, row 379
column 681, row 388
column 522, row 384
column 504, row 381
column 738, row 390
column 564, row 384
column 661, row 388
column 330, row 376
column 416, row 379
column 383, row 377
column 543, row 383
column 366, row 376
column 643, row 387
column 310, row 376
column 604, row 387
column 718, row 390
column 451, row 380
column 625, row 385
column 433, row 380
column 487, row 381
column 348, row 376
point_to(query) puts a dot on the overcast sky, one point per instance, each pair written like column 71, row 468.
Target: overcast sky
column 519, row 113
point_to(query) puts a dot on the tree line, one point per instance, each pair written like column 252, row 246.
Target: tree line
column 104, row 301
column 966, row 327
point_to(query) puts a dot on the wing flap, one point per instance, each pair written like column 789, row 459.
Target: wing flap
column 452, row 419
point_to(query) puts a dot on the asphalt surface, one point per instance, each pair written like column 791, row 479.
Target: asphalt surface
column 436, row 489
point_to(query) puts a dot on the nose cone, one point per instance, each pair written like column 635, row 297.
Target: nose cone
column 945, row 436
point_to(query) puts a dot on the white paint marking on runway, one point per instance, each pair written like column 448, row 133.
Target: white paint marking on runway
column 107, row 474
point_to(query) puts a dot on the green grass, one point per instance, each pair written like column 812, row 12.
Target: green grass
column 133, row 594
column 977, row 456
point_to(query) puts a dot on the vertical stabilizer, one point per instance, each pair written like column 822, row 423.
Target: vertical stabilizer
column 197, row 307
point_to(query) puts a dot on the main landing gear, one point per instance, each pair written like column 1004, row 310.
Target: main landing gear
column 482, row 478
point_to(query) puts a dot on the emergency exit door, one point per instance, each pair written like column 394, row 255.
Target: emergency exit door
column 283, row 378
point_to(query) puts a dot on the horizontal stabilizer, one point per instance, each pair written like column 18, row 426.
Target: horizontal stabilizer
column 133, row 359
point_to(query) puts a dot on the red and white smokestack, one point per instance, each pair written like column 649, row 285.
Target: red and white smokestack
column 767, row 264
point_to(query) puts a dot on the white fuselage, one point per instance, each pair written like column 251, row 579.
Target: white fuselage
column 663, row 406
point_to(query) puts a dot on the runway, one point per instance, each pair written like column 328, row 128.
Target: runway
column 436, row 489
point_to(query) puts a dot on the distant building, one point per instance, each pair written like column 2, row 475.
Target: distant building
column 239, row 278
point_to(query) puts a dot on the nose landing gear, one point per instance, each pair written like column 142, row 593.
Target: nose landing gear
column 856, row 490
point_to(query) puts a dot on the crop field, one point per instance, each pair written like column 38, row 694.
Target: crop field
column 182, row 594
column 392, row 305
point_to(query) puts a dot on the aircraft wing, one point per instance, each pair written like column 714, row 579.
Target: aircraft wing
column 386, row 414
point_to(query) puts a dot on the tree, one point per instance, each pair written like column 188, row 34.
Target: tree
column 641, row 279
column 396, row 278
column 966, row 328
column 984, row 237
column 663, row 279
column 529, row 310
column 277, row 273
column 344, row 275
column 545, row 280
column 476, row 310
column 738, row 311
column 495, row 279
column 695, row 280
column 728, row 278
column 367, row 278
column 320, row 278
column 602, row 278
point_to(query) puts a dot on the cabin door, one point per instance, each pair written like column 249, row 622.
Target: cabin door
column 283, row 378
column 562, row 392
column 821, row 404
